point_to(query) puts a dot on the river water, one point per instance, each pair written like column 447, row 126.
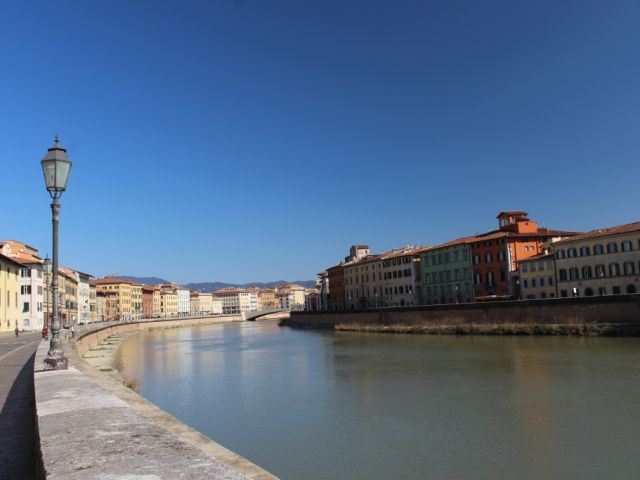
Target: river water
column 336, row 405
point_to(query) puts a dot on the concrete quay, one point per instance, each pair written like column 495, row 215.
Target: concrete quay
column 91, row 426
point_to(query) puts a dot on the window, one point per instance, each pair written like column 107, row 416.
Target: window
column 598, row 249
column 626, row 246
column 572, row 253
column 573, row 273
column 25, row 307
column 629, row 268
column 586, row 272
column 600, row 271
column 476, row 259
column 542, row 282
column 585, row 251
column 488, row 258
column 614, row 269
column 490, row 278
column 525, row 283
column 612, row 247
column 549, row 281
column 563, row 274
column 501, row 256
column 533, row 282
column 476, row 278
column 25, row 289
column 616, row 290
column 524, row 266
column 560, row 254
column 533, row 266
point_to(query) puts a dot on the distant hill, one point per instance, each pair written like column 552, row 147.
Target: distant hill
column 213, row 286
column 153, row 281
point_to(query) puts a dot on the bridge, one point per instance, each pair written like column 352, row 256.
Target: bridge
column 252, row 316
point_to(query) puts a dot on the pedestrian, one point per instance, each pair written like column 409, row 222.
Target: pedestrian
column 73, row 330
column 17, row 331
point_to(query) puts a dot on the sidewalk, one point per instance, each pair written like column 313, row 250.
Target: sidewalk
column 17, row 424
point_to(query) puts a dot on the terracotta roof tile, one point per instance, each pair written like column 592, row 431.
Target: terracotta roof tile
column 602, row 232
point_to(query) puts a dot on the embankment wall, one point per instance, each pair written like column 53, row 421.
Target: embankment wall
column 611, row 315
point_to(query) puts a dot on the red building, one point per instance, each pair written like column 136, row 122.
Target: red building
column 495, row 255
column 147, row 301
column 336, row 297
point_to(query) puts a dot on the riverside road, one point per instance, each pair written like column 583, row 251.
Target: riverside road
column 17, row 423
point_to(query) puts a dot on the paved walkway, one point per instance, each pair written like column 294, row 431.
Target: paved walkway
column 17, row 437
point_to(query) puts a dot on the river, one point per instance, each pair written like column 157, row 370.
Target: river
column 338, row 405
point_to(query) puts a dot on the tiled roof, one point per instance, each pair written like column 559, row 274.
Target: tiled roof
column 9, row 259
column 537, row 257
column 602, row 232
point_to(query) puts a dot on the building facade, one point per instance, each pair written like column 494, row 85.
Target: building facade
column 125, row 310
column 9, row 293
column 446, row 273
column 601, row 262
column 538, row 277
column 496, row 254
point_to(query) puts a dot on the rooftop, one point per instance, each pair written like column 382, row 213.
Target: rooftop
column 602, row 232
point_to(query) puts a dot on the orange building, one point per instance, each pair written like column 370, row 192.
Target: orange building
column 496, row 254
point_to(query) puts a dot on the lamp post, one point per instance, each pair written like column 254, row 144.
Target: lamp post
column 55, row 166
column 46, row 266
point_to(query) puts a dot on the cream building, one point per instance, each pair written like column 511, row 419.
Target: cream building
column 385, row 280
column 601, row 262
column 9, row 293
column 206, row 303
column 157, row 310
column 538, row 277
column 236, row 301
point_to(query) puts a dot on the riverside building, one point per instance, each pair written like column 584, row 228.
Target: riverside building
column 496, row 255
column 384, row 280
column 605, row 261
column 236, row 301
column 446, row 273
column 32, row 283
column 124, row 288
column 538, row 277
column 9, row 291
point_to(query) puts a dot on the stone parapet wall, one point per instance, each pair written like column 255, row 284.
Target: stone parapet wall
column 610, row 310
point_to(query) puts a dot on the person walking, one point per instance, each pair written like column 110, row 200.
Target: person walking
column 17, row 331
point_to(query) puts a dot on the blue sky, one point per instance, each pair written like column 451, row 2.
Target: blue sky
column 257, row 140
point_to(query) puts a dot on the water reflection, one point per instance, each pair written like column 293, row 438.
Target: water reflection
column 324, row 405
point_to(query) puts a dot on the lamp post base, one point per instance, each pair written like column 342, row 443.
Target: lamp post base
column 56, row 363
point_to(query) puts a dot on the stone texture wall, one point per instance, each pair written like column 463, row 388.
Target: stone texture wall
column 619, row 309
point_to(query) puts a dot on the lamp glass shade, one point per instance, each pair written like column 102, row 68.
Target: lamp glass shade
column 46, row 264
column 56, row 167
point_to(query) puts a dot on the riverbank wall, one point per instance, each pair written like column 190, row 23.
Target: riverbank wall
column 605, row 315
column 89, row 425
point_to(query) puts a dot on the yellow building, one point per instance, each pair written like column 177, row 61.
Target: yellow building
column 9, row 292
column 267, row 299
column 168, row 303
column 125, row 290
column 137, row 309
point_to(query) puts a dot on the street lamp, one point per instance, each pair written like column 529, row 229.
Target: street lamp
column 55, row 166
